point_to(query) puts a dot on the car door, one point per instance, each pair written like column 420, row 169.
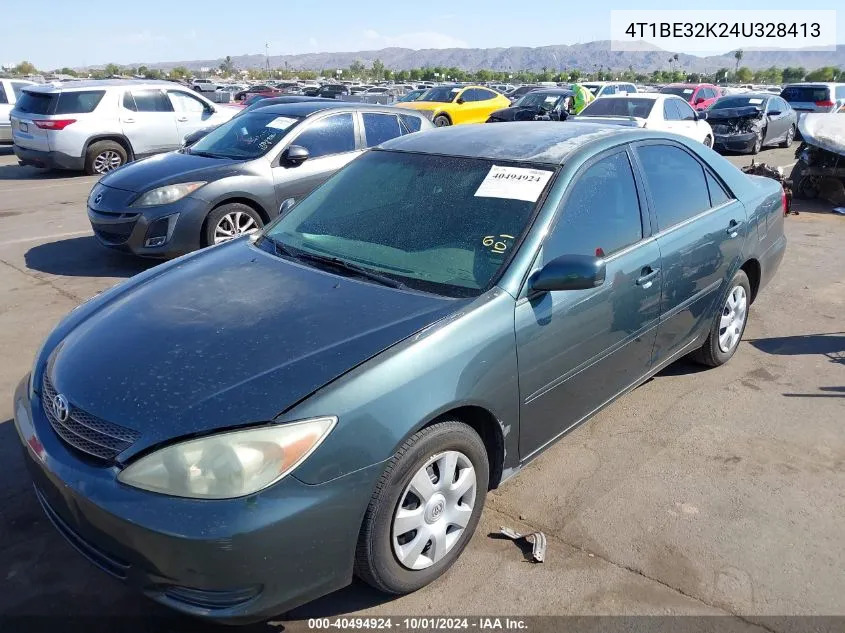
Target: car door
column 192, row 114
column 6, row 105
column 462, row 107
column 148, row 121
column 700, row 231
column 577, row 349
column 687, row 124
column 671, row 115
column 331, row 141
column 778, row 120
column 484, row 105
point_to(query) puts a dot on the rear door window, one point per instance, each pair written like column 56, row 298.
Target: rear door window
column 79, row 102
column 379, row 128
column 332, row 135
column 151, row 101
column 484, row 95
column 718, row 195
column 676, row 182
column 670, row 110
column 411, row 123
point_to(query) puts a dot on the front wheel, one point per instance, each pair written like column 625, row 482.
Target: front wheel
column 229, row 221
column 708, row 141
column 424, row 509
column 758, row 144
column 728, row 324
column 442, row 121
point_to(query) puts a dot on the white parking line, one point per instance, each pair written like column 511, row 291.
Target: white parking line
column 37, row 238
column 81, row 181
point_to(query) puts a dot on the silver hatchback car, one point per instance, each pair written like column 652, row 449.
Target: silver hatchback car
column 97, row 126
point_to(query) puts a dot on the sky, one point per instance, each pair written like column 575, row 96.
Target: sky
column 96, row 32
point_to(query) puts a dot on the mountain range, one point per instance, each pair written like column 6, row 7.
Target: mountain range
column 585, row 57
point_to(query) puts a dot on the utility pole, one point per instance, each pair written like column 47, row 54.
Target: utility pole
column 267, row 56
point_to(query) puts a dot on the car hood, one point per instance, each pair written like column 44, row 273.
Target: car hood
column 723, row 114
column 166, row 169
column 516, row 113
column 229, row 337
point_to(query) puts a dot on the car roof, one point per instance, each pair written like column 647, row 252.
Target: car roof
column 89, row 84
column 307, row 108
column 526, row 141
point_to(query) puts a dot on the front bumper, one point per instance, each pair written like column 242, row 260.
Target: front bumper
column 127, row 229
column 48, row 160
column 735, row 142
column 236, row 561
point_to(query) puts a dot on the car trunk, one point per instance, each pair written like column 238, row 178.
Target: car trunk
column 808, row 98
column 734, row 120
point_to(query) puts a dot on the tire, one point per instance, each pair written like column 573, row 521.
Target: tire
column 103, row 157
column 377, row 558
column 714, row 353
column 708, row 141
column 758, row 144
column 790, row 136
column 441, row 120
column 243, row 220
column 803, row 186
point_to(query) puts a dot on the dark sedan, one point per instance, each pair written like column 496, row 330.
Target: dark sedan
column 551, row 104
column 748, row 122
column 235, row 178
column 272, row 416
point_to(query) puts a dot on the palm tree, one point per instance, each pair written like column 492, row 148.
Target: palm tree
column 228, row 66
column 738, row 57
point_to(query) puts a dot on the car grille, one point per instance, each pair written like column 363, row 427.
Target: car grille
column 84, row 432
column 108, row 227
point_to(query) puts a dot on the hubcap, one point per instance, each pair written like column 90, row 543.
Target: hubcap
column 106, row 161
column 434, row 510
column 790, row 135
column 233, row 225
column 441, row 121
column 733, row 319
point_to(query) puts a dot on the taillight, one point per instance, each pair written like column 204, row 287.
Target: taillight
column 783, row 201
column 53, row 124
column 825, row 104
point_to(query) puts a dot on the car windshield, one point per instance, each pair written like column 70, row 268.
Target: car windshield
column 635, row 107
column 738, row 102
column 245, row 137
column 679, row 91
column 539, row 100
column 441, row 94
column 445, row 224
column 413, row 95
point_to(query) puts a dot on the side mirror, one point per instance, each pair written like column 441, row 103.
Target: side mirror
column 699, row 100
column 295, row 155
column 569, row 272
column 774, row 112
column 193, row 137
column 460, row 100
column 286, row 205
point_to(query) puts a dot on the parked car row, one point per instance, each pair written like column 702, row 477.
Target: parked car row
column 255, row 436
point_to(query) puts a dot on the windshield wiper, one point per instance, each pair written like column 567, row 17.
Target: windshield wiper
column 342, row 264
column 194, row 152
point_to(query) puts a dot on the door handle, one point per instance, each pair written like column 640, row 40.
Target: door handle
column 649, row 274
column 182, row 119
column 733, row 228
column 129, row 120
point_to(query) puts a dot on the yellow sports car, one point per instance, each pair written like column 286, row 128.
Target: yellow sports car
column 452, row 105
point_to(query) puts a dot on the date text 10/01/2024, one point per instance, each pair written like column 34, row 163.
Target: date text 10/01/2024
column 723, row 29
column 420, row 623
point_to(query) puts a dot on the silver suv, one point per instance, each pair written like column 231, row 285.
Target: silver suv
column 814, row 96
column 97, row 126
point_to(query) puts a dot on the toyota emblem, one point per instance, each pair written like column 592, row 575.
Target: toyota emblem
column 97, row 198
column 61, row 408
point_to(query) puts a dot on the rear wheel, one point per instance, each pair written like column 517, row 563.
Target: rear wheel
column 441, row 120
column 104, row 156
column 424, row 509
column 728, row 324
column 790, row 136
column 229, row 221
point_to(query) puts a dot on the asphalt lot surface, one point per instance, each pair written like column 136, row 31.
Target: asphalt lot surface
column 702, row 492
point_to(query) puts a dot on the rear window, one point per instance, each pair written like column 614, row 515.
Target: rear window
column 81, row 102
column 804, row 94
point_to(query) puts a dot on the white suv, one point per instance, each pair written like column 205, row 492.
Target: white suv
column 97, row 126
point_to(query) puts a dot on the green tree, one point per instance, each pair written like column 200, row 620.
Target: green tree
column 415, row 74
column 483, row 75
column 378, row 69
column 738, row 55
column 356, row 69
column 25, row 68
column 151, row 73
column 574, row 75
column 227, row 67
column 826, row 73
column 793, row 74
column 180, row 72
column 111, row 69
column 68, row 71
column 744, row 74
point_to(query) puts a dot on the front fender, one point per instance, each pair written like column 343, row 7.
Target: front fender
column 468, row 358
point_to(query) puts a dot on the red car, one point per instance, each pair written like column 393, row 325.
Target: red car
column 699, row 96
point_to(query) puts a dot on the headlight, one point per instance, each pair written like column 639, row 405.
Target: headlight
column 228, row 465
column 167, row 194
